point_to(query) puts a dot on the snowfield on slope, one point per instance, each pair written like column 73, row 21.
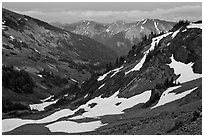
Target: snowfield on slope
column 105, row 106
column 73, row 127
column 41, row 106
column 138, row 66
column 175, row 33
column 185, row 71
column 192, row 25
column 101, row 86
column 114, row 70
column 167, row 97
column 145, row 20
column 155, row 41
column 12, row 123
column 46, row 99
column 103, row 76
column 157, row 29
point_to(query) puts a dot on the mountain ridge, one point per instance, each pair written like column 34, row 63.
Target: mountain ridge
column 53, row 59
column 119, row 35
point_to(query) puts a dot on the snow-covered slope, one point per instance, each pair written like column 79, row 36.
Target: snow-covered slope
column 73, row 127
column 41, row 106
column 104, row 106
column 193, row 25
column 107, row 106
column 167, row 97
column 184, row 70
column 114, row 70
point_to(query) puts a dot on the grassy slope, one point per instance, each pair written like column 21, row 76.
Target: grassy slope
column 173, row 118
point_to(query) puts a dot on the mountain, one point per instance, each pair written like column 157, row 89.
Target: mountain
column 119, row 35
column 156, row 90
column 40, row 60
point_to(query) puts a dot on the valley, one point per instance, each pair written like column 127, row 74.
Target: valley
column 68, row 79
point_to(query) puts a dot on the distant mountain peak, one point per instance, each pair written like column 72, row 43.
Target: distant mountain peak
column 119, row 35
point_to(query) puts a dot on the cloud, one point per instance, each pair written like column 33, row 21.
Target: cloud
column 190, row 12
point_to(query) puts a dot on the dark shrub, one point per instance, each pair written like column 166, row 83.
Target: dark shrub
column 8, row 106
column 180, row 24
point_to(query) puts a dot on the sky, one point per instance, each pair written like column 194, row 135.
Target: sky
column 106, row 12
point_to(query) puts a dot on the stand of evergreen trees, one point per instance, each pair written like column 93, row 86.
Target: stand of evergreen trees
column 17, row 81
column 52, row 80
column 167, row 83
column 8, row 106
column 180, row 24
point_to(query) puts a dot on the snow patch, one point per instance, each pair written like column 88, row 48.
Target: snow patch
column 185, row 71
column 86, row 96
column 12, row 123
column 106, row 106
column 74, row 80
column 12, row 38
column 36, row 50
column 4, row 27
column 144, row 21
column 138, row 66
column 155, row 24
column 66, row 95
column 39, row 75
column 73, row 127
column 175, row 33
column 167, row 97
column 48, row 98
column 104, row 75
column 192, row 25
column 55, row 116
column 17, row 68
column 116, row 71
column 42, row 106
column 101, row 86
column 77, row 117
column 156, row 41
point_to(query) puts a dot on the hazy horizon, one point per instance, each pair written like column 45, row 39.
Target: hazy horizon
column 107, row 12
